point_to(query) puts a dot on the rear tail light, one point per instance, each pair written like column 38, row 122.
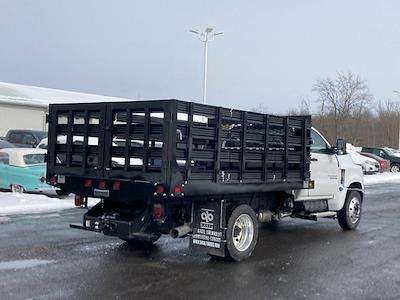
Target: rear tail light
column 53, row 179
column 78, row 200
column 87, row 183
column 157, row 211
column 116, row 185
column 42, row 179
column 102, row 184
column 177, row 189
column 160, row 189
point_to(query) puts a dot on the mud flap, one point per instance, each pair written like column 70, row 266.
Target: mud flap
column 209, row 229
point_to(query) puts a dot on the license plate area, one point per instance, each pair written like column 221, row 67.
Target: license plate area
column 101, row 193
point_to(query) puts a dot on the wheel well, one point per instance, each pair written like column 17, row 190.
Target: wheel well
column 356, row 186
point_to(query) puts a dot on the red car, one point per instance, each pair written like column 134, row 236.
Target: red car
column 384, row 164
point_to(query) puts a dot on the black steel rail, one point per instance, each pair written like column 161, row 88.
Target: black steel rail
column 177, row 143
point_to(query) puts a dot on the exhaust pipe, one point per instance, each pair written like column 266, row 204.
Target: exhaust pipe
column 181, row 231
column 265, row 216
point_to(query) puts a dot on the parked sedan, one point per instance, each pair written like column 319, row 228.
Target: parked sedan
column 384, row 164
column 25, row 138
column 23, row 170
column 386, row 154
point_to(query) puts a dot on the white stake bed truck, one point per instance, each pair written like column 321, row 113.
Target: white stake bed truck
column 187, row 169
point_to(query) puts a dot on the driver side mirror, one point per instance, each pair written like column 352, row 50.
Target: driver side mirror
column 340, row 146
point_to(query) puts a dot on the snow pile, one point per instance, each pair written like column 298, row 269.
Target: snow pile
column 382, row 178
column 14, row 203
column 351, row 147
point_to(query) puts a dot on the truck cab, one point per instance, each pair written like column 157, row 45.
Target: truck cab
column 333, row 174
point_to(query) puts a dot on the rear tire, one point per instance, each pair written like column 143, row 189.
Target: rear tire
column 395, row 168
column 16, row 188
column 350, row 215
column 241, row 233
column 142, row 242
column 62, row 193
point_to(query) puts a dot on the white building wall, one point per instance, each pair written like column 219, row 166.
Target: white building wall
column 21, row 117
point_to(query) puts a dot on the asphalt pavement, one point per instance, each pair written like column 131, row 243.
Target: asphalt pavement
column 42, row 258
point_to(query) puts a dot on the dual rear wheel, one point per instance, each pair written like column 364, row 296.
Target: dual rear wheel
column 241, row 233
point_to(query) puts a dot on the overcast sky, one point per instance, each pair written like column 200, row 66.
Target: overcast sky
column 271, row 52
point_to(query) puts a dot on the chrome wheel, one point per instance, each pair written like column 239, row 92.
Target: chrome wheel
column 395, row 169
column 243, row 232
column 15, row 188
column 354, row 210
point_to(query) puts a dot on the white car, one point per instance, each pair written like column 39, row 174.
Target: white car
column 24, row 170
column 369, row 165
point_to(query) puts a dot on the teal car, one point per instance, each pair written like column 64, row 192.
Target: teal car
column 24, row 170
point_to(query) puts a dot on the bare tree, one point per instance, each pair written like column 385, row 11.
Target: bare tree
column 303, row 109
column 342, row 98
column 260, row 108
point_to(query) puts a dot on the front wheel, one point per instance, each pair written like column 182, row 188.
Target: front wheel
column 395, row 168
column 350, row 215
column 241, row 233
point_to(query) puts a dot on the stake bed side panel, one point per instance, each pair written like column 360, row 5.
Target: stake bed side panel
column 188, row 148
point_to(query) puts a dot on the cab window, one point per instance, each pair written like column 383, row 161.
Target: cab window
column 4, row 158
column 34, row 159
column 318, row 144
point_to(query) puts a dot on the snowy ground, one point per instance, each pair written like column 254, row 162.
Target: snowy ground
column 15, row 204
column 381, row 178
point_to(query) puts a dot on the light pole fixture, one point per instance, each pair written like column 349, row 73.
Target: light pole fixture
column 208, row 35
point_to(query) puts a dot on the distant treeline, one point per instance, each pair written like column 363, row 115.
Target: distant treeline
column 346, row 109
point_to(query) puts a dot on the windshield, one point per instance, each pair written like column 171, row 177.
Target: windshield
column 34, row 159
column 388, row 151
column 41, row 134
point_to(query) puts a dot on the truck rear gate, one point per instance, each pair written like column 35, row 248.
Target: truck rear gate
column 186, row 148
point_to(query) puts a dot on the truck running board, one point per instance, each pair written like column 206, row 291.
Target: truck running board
column 315, row 216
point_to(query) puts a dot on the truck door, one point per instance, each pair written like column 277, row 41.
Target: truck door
column 324, row 168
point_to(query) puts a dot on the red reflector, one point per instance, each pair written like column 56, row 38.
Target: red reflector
column 102, row 184
column 157, row 211
column 177, row 189
column 53, row 179
column 78, row 200
column 116, row 185
column 42, row 179
column 87, row 183
column 160, row 189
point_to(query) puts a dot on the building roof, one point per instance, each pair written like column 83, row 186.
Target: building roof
column 26, row 95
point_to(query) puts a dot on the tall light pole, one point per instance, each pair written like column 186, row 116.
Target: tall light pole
column 206, row 36
column 398, row 94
